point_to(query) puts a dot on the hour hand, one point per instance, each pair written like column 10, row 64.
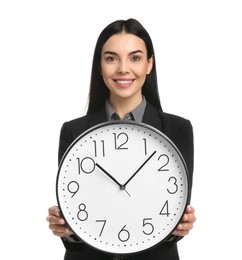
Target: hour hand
column 109, row 175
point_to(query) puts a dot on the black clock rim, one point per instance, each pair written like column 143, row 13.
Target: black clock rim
column 169, row 237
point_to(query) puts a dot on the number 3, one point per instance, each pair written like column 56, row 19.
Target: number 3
column 174, row 184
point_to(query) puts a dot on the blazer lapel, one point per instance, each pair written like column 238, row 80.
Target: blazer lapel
column 152, row 117
column 97, row 117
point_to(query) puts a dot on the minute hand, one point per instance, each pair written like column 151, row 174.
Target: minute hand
column 139, row 168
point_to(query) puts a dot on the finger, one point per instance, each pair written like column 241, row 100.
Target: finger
column 55, row 220
column 190, row 209
column 60, row 231
column 191, row 218
column 188, row 218
column 58, row 228
column 186, row 226
column 183, row 229
column 180, row 233
column 54, row 210
column 189, row 215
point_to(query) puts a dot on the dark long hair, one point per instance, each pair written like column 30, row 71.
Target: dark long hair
column 98, row 91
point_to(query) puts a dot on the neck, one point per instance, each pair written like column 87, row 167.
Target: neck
column 124, row 105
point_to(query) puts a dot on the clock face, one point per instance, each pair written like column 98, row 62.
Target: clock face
column 122, row 187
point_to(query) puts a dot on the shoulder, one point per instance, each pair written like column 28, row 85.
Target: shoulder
column 77, row 126
column 71, row 127
column 174, row 122
column 170, row 124
column 80, row 122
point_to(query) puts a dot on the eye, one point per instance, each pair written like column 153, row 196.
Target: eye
column 136, row 58
column 111, row 58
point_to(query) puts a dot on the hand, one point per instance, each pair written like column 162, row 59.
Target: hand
column 186, row 223
column 139, row 169
column 57, row 224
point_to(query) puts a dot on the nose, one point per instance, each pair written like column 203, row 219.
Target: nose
column 123, row 67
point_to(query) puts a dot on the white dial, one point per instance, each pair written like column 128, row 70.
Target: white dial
column 122, row 187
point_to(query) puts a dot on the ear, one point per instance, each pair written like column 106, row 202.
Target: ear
column 150, row 65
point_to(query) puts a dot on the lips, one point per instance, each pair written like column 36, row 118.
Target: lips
column 124, row 83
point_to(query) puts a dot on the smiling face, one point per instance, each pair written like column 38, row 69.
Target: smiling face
column 124, row 66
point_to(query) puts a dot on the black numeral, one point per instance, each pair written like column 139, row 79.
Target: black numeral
column 124, row 234
column 149, row 228
column 104, row 223
column 165, row 160
column 165, row 210
column 145, row 145
column 82, row 214
column 99, row 149
column 86, row 165
column 173, row 180
column 120, row 140
column 73, row 188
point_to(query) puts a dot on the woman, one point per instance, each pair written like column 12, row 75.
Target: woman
column 124, row 86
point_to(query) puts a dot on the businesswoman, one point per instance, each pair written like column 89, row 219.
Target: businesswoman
column 124, row 86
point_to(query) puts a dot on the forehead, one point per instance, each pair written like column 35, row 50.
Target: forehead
column 124, row 43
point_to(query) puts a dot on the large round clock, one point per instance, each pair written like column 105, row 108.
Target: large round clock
column 122, row 187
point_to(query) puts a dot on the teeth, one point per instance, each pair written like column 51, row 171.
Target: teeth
column 124, row 81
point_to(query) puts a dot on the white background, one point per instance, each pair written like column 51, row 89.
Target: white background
column 46, row 50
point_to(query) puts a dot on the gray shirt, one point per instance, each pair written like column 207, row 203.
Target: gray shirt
column 136, row 115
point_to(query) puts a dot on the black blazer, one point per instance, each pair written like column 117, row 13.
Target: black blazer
column 178, row 129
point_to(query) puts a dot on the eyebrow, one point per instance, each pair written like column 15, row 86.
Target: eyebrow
column 131, row 53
